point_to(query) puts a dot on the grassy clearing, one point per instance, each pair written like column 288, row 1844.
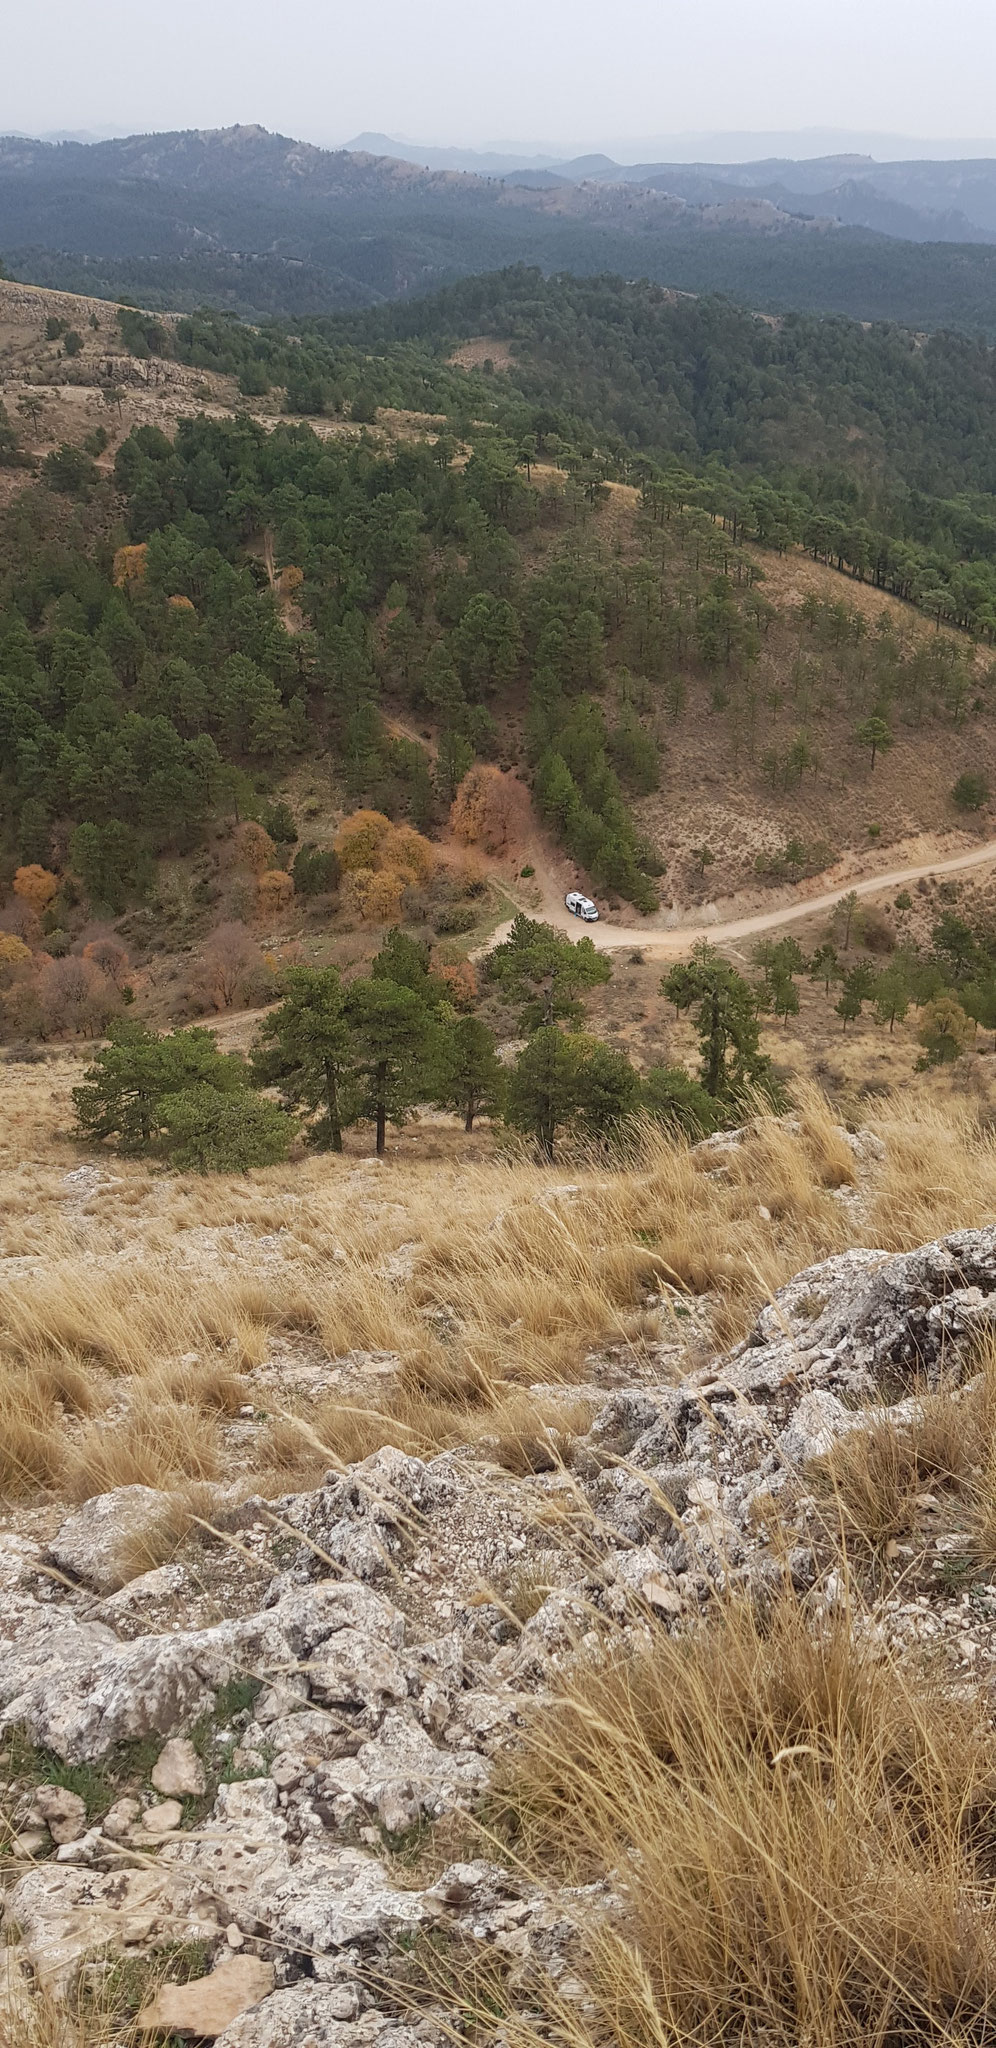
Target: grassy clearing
column 484, row 1277
column 800, row 1832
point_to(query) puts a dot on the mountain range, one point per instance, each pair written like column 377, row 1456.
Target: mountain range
column 262, row 224
column 918, row 199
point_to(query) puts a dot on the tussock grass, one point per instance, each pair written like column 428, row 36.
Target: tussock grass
column 157, row 1444
column 800, row 1833
column 480, row 1275
column 938, row 1173
column 875, row 1477
column 520, row 1431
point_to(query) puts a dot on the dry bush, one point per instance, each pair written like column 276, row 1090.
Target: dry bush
column 78, row 1313
column 19, row 919
column 274, row 891
column 252, row 847
column 460, row 981
column 509, row 1427
column 490, row 809
column 874, row 1476
column 231, row 968
column 799, row 1828
column 77, row 996
column 525, row 1282
column 111, row 957
column 32, row 1442
column 156, row 1444
column 166, row 1532
column 938, row 1173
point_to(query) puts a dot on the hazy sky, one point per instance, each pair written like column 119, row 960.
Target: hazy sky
column 568, row 71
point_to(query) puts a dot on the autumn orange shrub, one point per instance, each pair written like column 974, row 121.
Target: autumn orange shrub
column 274, row 890
column 254, row 849
column 410, row 853
column 290, row 580
column 374, row 894
column 182, row 604
column 129, row 565
column 36, row 886
column 490, row 809
column 461, row 983
column 359, row 839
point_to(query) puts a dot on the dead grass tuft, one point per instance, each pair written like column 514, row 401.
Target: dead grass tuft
column 800, row 1830
column 158, row 1444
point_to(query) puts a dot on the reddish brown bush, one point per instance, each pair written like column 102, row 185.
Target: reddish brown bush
column 461, row 982
column 274, row 891
column 254, row 849
column 76, row 996
column 231, row 969
column 111, row 957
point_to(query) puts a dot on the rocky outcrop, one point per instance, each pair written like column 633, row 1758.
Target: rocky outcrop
column 97, row 1544
column 383, row 1665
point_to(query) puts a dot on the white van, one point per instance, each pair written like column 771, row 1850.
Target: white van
column 581, row 906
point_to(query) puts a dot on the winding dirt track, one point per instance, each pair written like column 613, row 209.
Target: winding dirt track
column 671, row 944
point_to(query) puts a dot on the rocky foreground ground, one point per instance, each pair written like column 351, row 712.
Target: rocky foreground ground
column 258, row 1756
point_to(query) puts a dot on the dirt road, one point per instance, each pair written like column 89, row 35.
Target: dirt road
column 674, row 942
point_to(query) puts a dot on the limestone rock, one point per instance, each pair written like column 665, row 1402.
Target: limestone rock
column 64, row 1813
column 120, row 1819
column 315, row 2016
column 203, row 2009
column 67, row 1912
column 97, row 1544
column 178, row 1772
column 162, row 1819
column 818, row 1422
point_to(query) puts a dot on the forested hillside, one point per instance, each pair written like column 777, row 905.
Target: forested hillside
column 387, row 577
column 874, row 448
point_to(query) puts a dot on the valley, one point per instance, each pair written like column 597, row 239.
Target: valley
column 497, row 1438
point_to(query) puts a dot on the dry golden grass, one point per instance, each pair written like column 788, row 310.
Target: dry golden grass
column 874, row 1479
column 799, row 1830
column 482, row 1275
column 519, row 1430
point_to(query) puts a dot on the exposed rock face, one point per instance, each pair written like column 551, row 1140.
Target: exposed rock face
column 98, row 1543
column 63, row 1914
column 311, row 2016
column 384, row 1687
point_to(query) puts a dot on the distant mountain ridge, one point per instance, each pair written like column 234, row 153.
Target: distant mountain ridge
column 917, row 199
column 262, row 224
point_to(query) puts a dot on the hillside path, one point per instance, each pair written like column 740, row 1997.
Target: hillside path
column 673, row 942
